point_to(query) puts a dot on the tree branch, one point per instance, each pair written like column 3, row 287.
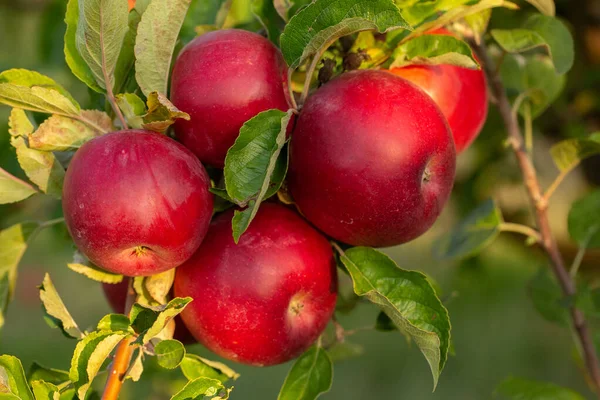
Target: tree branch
column 120, row 364
column 540, row 204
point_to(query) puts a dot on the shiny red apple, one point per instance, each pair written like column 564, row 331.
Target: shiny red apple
column 461, row 94
column 223, row 79
column 116, row 295
column 136, row 202
column 372, row 159
column 265, row 300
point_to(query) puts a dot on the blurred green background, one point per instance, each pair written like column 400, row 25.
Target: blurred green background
column 496, row 333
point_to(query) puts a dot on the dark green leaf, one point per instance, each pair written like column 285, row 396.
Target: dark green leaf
column 13, row 243
column 204, row 13
column 76, row 63
column 310, row 376
column 254, row 169
column 115, row 323
column 56, row 312
column 45, row 391
column 523, row 389
column 384, row 323
column 155, row 43
column 322, row 22
column 265, row 12
column 149, row 322
column 407, row 298
column 101, row 28
column 548, row 299
column 90, row 353
column 540, row 31
column 584, row 220
column 194, row 367
column 569, row 153
column 434, row 49
column 169, row 353
column 199, row 389
column 472, row 235
column 161, row 113
column 38, row 372
column 12, row 378
column 13, row 189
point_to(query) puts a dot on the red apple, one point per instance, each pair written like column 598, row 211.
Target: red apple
column 372, row 160
column 461, row 94
column 223, row 79
column 265, row 300
column 136, row 202
column 116, row 295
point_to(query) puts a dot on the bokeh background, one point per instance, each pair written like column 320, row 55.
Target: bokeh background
column 497, row 331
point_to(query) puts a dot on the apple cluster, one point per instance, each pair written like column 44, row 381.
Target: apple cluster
column 372, row 163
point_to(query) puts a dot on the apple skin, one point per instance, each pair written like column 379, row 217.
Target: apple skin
column 116, row 295
column 372, row 160
column 266, row 300
column 223, row 79
column 136, row 202
column 461, row 94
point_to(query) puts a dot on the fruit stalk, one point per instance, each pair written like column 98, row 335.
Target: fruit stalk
column 540, row 205
column 120, row 364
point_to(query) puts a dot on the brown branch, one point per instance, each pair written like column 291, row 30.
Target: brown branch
column 120, row 364
column 540, row 204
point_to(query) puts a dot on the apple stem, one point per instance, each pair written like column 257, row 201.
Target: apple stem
column 540, row 205
column 120, row 365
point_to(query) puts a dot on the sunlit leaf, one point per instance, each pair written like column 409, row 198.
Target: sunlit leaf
column 56, row 312
column 433, row 50
column 12, row 378
column 169, row 353
column 194, row 367
column 310, row 376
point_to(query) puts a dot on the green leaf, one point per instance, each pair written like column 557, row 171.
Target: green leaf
column 75, row 61
column 133, row 109
column 125, row 69
column 12, row 189
column 95, row 273
column 59, row 133
column 41, row 167
column 155, row 43
column 548, row 299
column 194, row 367
column 45, row 391
column 169, row 353
column 101, row 28
column 252, row 173
column 523, row 389
column 115, row 323
column 137, row 368
column 56, row 312
column 37, row 98
column 540, row 31
column 478, row 22
column 12, row 378
column 477, row 231
column 322, row 22
column 29, row 79
column 198, row 389
column 13, row 243
column 407, row 298
column 569, row 153
column 265, row 12
column 546, row 7
column 90, row 353
column 38, row 372
column 203, row 13
column 584, row 220
column 433, row 50
column 161, row 113
column 534, row 75
column 417, row 11
column 150, row 321
column 310, row 376
column 19, row 123
column 342, row 351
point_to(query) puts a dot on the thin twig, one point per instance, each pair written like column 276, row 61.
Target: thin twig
column 559, row 179
column 540, row 205
column 120, row 365
column 522, row 229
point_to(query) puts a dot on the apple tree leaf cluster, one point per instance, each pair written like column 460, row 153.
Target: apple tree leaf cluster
column 261, row 160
